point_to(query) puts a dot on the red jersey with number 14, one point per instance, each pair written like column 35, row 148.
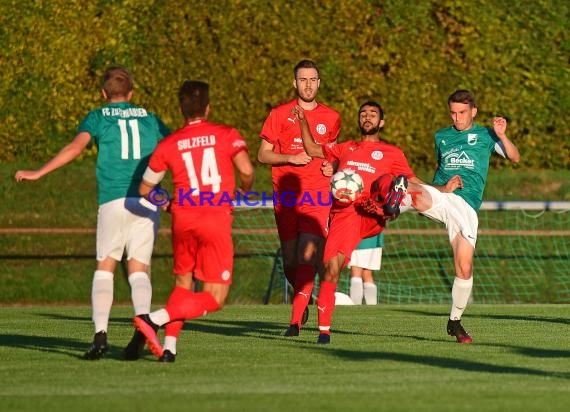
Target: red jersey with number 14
column 200, row 158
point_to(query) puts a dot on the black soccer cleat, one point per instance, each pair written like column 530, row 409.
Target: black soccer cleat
column 135, row 347
column 454, row 328
column 305, row 317
column 324, row 338
column 292, row 330
column 396, row 197
column 167, row 357
column 98, row 347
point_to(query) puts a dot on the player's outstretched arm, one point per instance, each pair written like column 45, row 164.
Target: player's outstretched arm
column 312, row 148
column 65, row 155
column 500, row 128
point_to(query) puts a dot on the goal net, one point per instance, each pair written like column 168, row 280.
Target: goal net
column 522, row 256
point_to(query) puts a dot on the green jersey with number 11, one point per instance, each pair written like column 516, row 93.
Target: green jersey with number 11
column 126, row 136
column 466, row 153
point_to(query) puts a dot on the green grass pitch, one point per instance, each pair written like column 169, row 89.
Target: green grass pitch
column 382, row 358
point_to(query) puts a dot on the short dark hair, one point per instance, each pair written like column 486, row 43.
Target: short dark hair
column 373, row 104
column 462, row 96
column 194, row 97
column 305, row 64
column 117, row 82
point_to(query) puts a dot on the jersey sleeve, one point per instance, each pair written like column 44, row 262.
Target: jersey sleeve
column 157, row 161
column 332, row 151
column 238, row 144
column 436, row 141
column 495, row 144
column 336, row 130
column 401, row 166
column 271, row 128
column 89, row 125
column 162, row 128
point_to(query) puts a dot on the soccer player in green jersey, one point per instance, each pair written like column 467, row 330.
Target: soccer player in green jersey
column 463, row 151
column 126, row 136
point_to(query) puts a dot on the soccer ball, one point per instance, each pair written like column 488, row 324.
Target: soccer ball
column 346, row 185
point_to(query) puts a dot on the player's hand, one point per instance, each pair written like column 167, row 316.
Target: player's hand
column 26, row 175
column 300, row 158
column 327, row 169
column 454, row 183
column 368, row 205
column 298, row 112
column 500, row 126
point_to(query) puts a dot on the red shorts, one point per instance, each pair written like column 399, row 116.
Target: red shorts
column 347, row 229
column 202, row 244
column 292, row 220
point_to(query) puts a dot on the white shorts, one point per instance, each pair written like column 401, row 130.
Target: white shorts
column 126, row 223
column 456, row 213
column 366, row 258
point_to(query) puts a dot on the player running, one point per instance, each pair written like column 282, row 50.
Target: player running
column 125, row 136
column 201, row 157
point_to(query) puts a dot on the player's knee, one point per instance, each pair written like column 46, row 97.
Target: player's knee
column 332, row 273
column 465, row 270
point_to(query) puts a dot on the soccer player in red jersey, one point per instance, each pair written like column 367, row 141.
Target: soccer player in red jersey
column 371, row 158
column 201, row 157
column 300, row 188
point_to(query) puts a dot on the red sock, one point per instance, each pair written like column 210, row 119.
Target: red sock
column 184, row 304
column 325, row 304
column 173, row 328
column 304, row 281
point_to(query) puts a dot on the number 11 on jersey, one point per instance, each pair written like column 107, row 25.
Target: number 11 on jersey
column 134, row 126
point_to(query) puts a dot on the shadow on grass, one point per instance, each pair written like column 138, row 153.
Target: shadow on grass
column 63, row 346
column 520, row 350
column 561, row 320
column 441, row 362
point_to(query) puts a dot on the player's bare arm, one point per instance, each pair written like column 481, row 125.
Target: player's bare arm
column 245, row 171
column 500, row 128
column 145, row 188
column 266, row 155
column 65, row 155
column 312, row 148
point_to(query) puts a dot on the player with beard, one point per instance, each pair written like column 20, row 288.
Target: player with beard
column 372, row 159
column 301, row 223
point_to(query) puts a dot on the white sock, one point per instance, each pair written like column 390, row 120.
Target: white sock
column 370, row 293
column 141, row 292
column 356, row 290
column 160, row 317
column 101, row 299
column 170, row 344
column 460, row 296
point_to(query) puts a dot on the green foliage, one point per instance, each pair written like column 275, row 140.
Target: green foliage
column 407, row 54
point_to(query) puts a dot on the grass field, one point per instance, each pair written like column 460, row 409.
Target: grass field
column 383, row 358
